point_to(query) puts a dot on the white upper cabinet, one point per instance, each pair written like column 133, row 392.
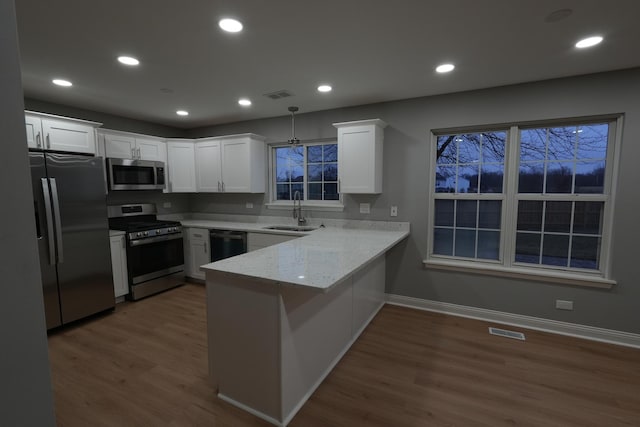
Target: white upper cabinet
column 60, row 134
column 208, row 166
column 181, row 166
column 360, row 146
column 131, row 146
column 231, row 164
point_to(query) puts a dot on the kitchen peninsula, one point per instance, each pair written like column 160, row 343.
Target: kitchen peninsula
column 281, row 317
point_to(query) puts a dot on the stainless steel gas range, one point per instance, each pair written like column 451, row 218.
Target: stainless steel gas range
column 155, row 258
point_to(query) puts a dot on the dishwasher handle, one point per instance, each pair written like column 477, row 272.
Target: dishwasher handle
column 227, row 236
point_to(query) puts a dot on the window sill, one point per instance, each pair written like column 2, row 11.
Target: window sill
column 310, row 206
column 559, row 277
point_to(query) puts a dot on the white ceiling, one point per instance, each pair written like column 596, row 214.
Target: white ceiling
column 368, row 50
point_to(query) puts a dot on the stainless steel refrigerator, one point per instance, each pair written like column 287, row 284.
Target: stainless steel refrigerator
column 73, row 235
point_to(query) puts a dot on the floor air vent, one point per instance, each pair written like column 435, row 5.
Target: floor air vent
column 507, row 334
column 278, row 94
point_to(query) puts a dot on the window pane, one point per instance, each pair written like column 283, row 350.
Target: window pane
column 488, row 244
column 314, row 154
column 330, row 152
column 531, row 178
column 283, row 192
column 592, row 141
column 297, row 187
column 297, row 173
column 331, row 172
column 466, row 213
column 331, row 192
column 584, row 252
column 465, row 243
column 444, row 213
column 559, row 177
column 533, row 144
column 468, row 148
column 555, row 250
column 491, row 179
column 490, row 211
column 590, row 177
column 562, row 142
column 530, row 215
column 443, row 241
column 468, row 179
column 314, row 172
column 446, row 153
column 493, row 147
column 445, row 179
column 528, row 248
column 557, row 217
column 315, row 191
column 587, row 217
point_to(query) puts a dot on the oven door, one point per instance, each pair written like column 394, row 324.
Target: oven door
column 154, row 257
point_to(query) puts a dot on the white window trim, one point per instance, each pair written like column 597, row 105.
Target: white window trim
column 506, row 266
column 313, row 205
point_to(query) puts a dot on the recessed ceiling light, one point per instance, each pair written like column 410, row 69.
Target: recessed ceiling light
column 324, row 88
column 128, row 60
column 445, row 68
column 244, row 102
column 61, row 82
column 182, row 113
column 230, row 25
column 588, row 42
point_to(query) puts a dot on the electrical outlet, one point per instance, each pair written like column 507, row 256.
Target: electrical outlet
column 365, row 208
column 564, row 305
column 166, row 205
column 249, row 205
column 394, row 211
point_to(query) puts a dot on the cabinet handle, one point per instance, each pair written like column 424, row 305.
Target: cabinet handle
column 139, row 155
column 48, row 141
column 38, row 143
column 219, row 187
column 223, row 186
column 133, row 153
column 205, row 247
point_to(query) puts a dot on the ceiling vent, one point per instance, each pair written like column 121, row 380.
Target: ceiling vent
column 279, row 94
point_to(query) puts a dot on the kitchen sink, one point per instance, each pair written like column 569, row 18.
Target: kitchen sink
column 290, row 227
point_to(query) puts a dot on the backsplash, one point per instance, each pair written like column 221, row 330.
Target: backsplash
column 165, row 203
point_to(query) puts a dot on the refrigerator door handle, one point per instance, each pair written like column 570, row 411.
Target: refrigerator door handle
column 56, row 210
column 47, row 209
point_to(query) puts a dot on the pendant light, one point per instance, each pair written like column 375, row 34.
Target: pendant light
column 293, row 140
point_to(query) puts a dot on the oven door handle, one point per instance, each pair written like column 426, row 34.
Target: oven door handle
column 156, row 239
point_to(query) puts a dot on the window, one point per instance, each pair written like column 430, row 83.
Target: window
column 310, row 169
column 529, row 198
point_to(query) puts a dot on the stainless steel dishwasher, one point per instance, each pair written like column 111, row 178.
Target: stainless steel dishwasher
column 227, row 243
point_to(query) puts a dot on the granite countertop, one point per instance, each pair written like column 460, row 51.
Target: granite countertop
column 319, row 259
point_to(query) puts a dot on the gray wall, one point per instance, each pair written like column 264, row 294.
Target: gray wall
column 406, row 156
column 109, row 121
column 25, row 383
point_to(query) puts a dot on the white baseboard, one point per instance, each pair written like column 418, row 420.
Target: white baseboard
column 553, row 326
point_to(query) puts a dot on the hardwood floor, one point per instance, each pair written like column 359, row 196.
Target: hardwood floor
column 146, row 365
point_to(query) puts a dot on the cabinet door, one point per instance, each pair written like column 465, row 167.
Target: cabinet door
column 69, row 136
column 151, row 149
column 360, row 156
column 208, row 167
column 199, row 252
column 34, row 131
column 181, row 166
column 236, row 166
column 119, row 146
column 119, row 265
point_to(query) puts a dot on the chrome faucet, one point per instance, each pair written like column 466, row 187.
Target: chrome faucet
column 297, row 210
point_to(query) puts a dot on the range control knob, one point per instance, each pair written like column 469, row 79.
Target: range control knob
column 146, row 233
column 158, row 231
column 139, row 234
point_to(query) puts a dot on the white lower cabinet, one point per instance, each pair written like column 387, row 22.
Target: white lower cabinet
column 196, row 251
column 119, row 265
column 257, row 241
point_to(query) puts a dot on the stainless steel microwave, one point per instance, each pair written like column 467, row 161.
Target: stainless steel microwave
column 128, row 174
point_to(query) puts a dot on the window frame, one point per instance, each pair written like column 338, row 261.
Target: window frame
column 320, row 205
column 506, row 264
